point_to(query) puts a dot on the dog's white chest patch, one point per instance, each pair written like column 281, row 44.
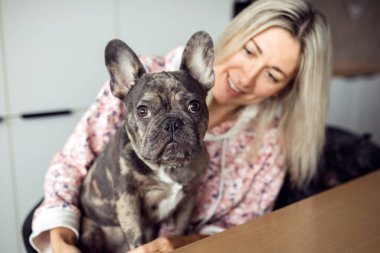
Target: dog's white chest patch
column 167, row 205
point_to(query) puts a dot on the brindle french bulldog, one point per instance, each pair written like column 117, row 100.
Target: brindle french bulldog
column 154, row 163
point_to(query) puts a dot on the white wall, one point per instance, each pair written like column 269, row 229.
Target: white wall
column 51, row 58
column 155, row 27
column 54, row 51
column 355, row 104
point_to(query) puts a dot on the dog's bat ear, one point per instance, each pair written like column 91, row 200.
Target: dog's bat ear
column 198, row 59
column 123, row 66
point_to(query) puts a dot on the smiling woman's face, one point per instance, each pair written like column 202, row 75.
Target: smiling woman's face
column 261, row 69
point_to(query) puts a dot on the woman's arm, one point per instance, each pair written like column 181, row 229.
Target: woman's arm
column 68, row 168
column 63, row 240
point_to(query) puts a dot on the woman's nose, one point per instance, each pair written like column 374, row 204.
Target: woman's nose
column 249, row 75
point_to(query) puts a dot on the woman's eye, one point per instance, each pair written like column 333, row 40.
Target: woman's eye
column 143, row 112
column 247, row 51
column 194, row 106
column 272, row 77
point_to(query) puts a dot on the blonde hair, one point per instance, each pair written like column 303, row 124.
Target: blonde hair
column 304, row 102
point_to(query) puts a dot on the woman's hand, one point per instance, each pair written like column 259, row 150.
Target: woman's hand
column 167, row 244
column 63, row 240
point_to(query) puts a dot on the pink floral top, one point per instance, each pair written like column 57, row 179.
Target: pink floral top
column 235, row 188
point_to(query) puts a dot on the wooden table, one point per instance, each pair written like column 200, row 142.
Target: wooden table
column 343, row 219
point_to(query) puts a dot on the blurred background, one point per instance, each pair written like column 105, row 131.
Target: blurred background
column 52, row 66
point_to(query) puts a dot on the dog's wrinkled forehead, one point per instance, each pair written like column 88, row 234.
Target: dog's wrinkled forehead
column 161, row 82
column 176, row 86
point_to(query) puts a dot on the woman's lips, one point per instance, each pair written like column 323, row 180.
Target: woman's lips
column 233, row 88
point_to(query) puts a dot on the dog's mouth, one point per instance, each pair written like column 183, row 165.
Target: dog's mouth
column 171, row 149
column 174, row 151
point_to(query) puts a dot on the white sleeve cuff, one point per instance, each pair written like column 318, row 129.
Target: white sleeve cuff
column 211, row 229
column 48, row 219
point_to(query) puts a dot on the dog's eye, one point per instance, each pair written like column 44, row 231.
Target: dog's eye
column 194, row 106
column 143, row 111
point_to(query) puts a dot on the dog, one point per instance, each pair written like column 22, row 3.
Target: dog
column 152, row 166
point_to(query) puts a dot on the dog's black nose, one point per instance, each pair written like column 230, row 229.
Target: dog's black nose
column 172, row 124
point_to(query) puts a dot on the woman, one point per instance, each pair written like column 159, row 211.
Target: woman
column 267, row 116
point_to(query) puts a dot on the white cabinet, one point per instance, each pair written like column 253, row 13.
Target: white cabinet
column 10, row 229
column 53, row 60
column 34, row 143
column 2, row 79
